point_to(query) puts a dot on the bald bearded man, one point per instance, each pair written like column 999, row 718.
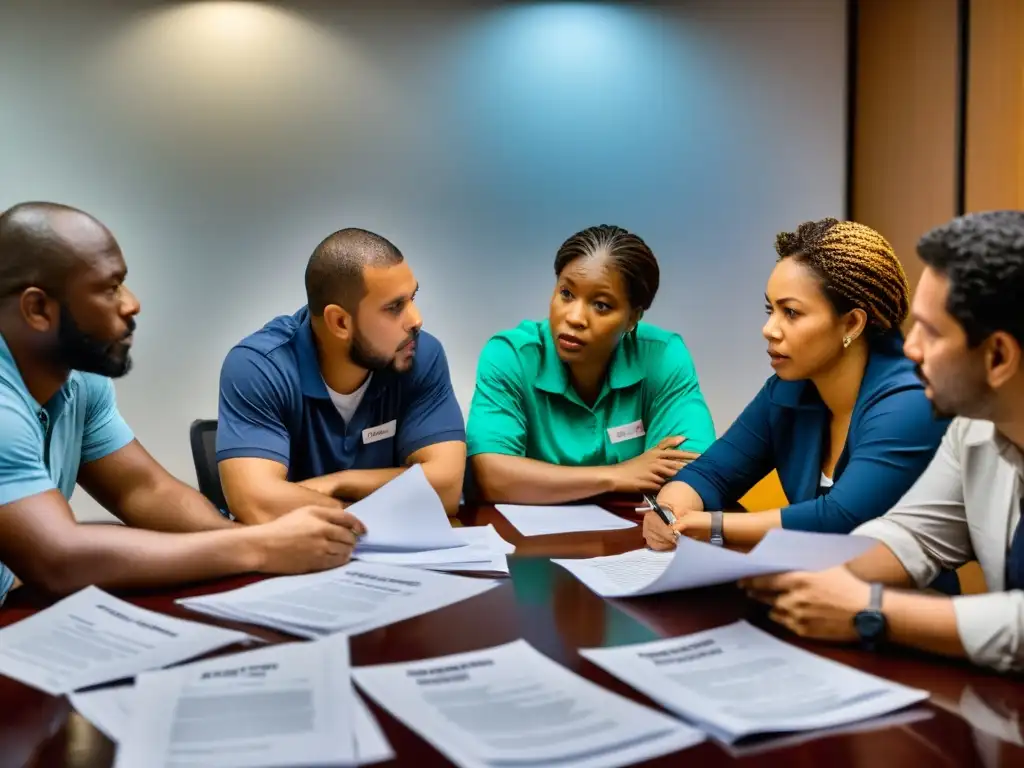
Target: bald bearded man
column 66, row 324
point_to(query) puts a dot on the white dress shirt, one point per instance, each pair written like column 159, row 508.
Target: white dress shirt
column 966, row 506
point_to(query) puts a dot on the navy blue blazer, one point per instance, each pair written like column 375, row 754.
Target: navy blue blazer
column 892, row 437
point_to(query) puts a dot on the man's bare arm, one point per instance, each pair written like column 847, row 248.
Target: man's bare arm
column 42, row 543
column 258, row 490
column 444, row 465
column 881, row 565
column 520, row 480
column 138, row 490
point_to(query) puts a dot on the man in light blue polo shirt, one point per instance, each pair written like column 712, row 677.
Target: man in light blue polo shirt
column 66, row 324
column 328, row 404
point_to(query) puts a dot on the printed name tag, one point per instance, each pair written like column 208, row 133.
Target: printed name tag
column 383, row 432
column 629, row 431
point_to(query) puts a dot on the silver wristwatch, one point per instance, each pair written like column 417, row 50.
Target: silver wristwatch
column 717, row 538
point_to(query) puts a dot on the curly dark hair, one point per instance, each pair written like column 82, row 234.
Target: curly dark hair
column 628, row 253
column 982, row 254
column 856, row 266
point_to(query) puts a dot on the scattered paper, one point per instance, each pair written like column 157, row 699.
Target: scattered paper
column 541, row 521
column 354, row 598
column 756, row 746
column 511, row 705
column 283, row 705
column 404, row 514
column 699, row 564
column 110, row 710
column 483, row 551
column 737, row 681
column 92, row 637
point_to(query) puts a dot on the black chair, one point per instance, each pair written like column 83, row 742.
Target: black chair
column 203, row 436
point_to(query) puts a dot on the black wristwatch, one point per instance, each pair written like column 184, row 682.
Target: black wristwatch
column 870, row 623
column 717, row 537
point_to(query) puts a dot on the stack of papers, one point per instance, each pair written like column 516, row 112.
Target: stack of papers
column 283, row 705
column 404, row 515
column 738, row 681
column 354, row 598
column 483, row 551
column 406, row 525
column 91, row 638
column 511, row 705
column 543, row 521
column 698, row 564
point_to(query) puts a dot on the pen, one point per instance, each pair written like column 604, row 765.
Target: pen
column 663, row 513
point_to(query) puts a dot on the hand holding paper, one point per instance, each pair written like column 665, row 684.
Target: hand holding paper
column 405, row 514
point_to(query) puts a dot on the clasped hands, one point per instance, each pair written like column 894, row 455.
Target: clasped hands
column 819, row 605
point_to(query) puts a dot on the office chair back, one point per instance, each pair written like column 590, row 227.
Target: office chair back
column 203, row 437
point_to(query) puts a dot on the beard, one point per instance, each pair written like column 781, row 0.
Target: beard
column 365, row 357
column 970, row 397
column 78, row 351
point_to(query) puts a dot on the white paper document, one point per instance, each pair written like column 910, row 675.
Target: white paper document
column 354, row 598
column 901, row 719
column 511, row 705
column 737, row 681
column 92, row 637
column 282, row 705
column 699, row 564
column 404, row 514
column 542, row 521
column 110, row 710
column 483, row 551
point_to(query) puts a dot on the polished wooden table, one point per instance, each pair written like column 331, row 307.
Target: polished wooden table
column 973, row 718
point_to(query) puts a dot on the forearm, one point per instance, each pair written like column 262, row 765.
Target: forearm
column 173, row 507
column 680, row 497
column 272, row 499
column 879, row 564
column 923, row 622
column 356, row 484
column 118, row 557
column 518, row 480
column 743, row 530
column 352, row 484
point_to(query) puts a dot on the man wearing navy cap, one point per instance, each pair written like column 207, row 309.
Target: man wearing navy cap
column 329, row 404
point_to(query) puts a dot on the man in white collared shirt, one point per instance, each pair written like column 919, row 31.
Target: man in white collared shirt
column 968, row 342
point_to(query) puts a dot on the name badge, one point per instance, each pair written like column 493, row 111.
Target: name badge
column 382, row 432
column 629, row 431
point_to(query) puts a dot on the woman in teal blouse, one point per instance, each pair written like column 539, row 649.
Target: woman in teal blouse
column 591, row 400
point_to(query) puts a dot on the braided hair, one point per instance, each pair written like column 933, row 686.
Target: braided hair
column 857, row 269
column 630, row 255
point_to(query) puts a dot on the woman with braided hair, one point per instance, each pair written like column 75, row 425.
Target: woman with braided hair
column 844, row 420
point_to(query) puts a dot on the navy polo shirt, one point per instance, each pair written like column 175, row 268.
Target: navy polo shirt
column 274, row 405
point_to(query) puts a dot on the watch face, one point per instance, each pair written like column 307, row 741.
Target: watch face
column 869, row 624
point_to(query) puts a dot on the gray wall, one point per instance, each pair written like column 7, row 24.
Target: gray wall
column 222, row 141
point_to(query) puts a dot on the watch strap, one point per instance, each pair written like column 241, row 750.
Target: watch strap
column 875, row 603
column 717, row 536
